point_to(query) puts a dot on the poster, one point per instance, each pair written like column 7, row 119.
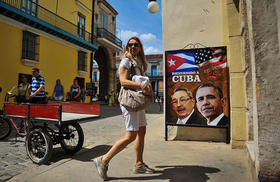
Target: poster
column 197, row 87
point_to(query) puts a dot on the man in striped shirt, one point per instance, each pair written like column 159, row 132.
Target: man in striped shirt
column 37, row 88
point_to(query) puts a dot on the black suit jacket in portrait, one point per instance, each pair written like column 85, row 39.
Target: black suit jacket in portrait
column 196, row 119
column 224, row 121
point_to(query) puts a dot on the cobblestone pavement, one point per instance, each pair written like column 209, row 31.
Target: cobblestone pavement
column 13, row 157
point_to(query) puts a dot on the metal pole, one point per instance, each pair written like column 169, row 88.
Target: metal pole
column 92, row 39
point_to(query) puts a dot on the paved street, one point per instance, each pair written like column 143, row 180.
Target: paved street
column 13, row 156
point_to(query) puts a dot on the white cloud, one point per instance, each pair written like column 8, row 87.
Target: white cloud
column 152, row 50
column 126, row 34
column 147, row 37
column 151, row 44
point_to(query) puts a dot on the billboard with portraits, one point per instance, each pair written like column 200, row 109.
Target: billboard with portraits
column 197, row 87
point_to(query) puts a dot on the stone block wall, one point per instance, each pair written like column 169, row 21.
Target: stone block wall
column 261, row 40
column 237, row 78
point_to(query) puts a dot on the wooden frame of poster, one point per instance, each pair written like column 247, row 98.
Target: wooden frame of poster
column 197, row 88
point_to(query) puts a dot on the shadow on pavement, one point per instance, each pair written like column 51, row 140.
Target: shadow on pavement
column 176, row 174
column 84, row 155
column 89, row 154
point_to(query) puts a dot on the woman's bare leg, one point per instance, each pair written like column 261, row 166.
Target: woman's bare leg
column 119, row 146
column 139, row 145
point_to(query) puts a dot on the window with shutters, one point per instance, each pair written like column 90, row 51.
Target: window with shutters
column 29, row 7
column 81, row 25
column 154, row 70
column 82, row 61
column 30, row 46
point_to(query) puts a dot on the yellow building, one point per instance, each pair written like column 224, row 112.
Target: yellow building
column 52, row 35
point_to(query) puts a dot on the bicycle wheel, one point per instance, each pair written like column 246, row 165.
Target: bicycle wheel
column 5, row 128
column 72, row 138
column 38, row 146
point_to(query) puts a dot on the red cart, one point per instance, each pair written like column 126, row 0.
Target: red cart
column 51, row 124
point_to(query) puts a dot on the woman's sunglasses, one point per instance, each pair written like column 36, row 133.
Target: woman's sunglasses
column 133, row 44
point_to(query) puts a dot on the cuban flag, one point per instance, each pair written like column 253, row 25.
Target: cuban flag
column 181, row 62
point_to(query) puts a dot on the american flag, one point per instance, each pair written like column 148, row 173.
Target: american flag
column 216, row 56
column 202, row 55
column 196, row 59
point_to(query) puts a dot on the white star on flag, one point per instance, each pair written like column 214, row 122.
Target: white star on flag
column 171, row 62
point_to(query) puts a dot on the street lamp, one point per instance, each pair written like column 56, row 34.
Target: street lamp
column 153, row 6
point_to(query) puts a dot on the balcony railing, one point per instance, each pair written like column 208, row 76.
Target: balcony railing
column 103, row 33
column 159, row 73
column 50, row 18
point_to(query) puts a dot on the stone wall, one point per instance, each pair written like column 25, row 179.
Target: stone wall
column 263, row 43
column 237, row 78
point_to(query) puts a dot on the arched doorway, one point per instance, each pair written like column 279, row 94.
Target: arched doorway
column 102, row 58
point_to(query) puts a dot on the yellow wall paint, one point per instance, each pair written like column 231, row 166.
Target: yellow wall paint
column 69, row 10
column 49, row 5
column 10, row 59
column 225, row 22
column 55, row 60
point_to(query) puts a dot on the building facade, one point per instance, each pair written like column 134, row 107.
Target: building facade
column 250, row 31
column 155, row 72
column 105, row 32
column 61, row 38
column 51, row 35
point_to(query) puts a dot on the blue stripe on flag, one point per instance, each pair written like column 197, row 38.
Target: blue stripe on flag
column 186, row 69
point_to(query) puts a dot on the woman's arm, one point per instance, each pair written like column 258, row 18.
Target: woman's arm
column 62, row 92
column 79, row 93
column 53, row 91
column 125, row 82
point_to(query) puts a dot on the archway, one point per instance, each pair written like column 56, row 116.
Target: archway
column 102, row 58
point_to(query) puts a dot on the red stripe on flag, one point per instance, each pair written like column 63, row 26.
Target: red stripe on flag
column 174, row 62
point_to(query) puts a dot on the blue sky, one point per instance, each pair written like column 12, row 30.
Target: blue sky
column 135, row 20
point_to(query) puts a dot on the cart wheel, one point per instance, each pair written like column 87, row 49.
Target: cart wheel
column 38, row 145
column 72, row 137
column 5, row 128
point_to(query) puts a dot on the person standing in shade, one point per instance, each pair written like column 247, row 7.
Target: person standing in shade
column 37, row 88
column 75, row 91
column 58, row 92
column 135, row 122
column 22, row 90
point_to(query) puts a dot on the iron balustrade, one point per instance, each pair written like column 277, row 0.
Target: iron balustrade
column 50, row 18
column 158, row 73
column 103, row 33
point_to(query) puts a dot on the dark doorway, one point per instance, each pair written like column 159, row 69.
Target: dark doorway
column 29, row 78
column 101, row 57
column 81, row 82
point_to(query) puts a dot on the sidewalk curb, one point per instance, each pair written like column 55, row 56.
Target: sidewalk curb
column 35, row 171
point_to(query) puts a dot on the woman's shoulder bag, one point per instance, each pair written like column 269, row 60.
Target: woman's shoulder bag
column 133, row 100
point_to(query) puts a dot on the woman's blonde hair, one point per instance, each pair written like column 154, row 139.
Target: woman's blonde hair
column 141, row 53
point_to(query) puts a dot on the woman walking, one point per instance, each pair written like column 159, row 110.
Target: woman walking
column 135, row 122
